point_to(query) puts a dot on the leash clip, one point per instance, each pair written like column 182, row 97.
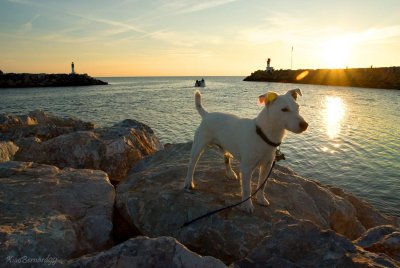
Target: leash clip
column 279, row 155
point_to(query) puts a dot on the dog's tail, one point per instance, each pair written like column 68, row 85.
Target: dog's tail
column 199, row 107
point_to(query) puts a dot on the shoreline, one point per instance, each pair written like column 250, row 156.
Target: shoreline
column 380, row 78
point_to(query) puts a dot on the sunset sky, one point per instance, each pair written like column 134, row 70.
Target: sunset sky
column 220, row 37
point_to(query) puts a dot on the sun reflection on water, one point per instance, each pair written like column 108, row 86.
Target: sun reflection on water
column 334, row 114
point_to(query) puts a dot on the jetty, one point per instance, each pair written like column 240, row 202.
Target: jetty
column 383, row 77
column 25, row 80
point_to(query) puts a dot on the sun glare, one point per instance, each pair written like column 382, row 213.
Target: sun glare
column 335, row 52
column 334, row 114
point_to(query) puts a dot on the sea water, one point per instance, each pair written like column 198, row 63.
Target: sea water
column 353, row 139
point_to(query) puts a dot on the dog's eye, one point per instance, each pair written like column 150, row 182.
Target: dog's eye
column 285, row 110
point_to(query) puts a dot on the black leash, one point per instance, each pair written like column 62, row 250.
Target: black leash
column 237, row 204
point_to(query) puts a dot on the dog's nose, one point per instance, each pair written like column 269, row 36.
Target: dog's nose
column 303, row 125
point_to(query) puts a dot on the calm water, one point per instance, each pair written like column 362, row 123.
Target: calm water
column 353, row 140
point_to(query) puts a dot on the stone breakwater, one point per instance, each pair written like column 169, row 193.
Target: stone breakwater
column 13, row 80
column 57, row 202
column 386, row 78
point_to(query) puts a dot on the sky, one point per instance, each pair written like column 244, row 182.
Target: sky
column 196, row 38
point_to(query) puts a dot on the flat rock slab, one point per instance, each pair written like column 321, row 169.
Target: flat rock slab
column 46, row 211
column 146, row 252
column 152, row 198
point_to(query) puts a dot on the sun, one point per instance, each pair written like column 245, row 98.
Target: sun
column 335, row 52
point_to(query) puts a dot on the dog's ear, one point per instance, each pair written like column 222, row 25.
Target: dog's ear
column 294, row 93
column 267, row 98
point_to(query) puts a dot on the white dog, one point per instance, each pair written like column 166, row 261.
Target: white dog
column 252, row 141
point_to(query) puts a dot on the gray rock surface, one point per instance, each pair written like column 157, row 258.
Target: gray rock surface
column 301, row 243
column 46, row 211
column 147, row 252
column 152, row 199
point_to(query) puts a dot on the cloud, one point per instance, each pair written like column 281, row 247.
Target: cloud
column 27, row 27
column 182, row 7
column 282, row 27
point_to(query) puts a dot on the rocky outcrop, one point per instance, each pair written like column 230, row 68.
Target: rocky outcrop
column 301, row 243
column 387, row 78
column 7, row 151
column 38, row 125
column 152, row 199
column 382, row 239
column 147, row 252
column 46, row 211
column 66, row 216
column 13, row 80
column 114, row 150
column 68, row 142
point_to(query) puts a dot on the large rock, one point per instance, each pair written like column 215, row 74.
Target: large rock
column 40, row 125
column 301, row 243
column 7, row 151
column 46, row 211
column 47, row 139
column 114, row 150
column 382, row 239
column 152, row 199
column 146, row 252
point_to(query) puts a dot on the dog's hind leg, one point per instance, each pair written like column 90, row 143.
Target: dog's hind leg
column 264, row 169
column 197, row 149
column 230, row 174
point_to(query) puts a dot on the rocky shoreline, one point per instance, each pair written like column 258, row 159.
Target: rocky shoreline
column 385, row 78
column 25, row 80
column 74, row 195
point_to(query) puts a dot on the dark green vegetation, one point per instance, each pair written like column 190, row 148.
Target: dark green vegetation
column 13, row 80
column 388, row 77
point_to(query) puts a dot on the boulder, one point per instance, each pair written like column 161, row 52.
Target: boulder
column 146, row 252
column 301, row 243
column 114, row 150
column 46, row 211
column 38, row 124
column 382, row 239
column 7, row 151
column 152, row 199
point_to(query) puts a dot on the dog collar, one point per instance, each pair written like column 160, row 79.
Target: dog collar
column 264, row 137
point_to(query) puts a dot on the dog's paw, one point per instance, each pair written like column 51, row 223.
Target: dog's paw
column 261, row 200
column 231, row 175
column 188, row 186
column 247, row 207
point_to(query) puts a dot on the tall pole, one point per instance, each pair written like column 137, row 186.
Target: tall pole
column 291, row 59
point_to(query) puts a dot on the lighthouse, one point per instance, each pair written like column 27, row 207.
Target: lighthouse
column 269, row 68
column 72, row 68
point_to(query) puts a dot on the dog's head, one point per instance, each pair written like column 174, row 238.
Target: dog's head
column 284, row 110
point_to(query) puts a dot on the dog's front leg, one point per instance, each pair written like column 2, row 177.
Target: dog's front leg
column 264, row 169
column 246, row 173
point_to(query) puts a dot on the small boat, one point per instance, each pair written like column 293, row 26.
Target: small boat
column 200, row 83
